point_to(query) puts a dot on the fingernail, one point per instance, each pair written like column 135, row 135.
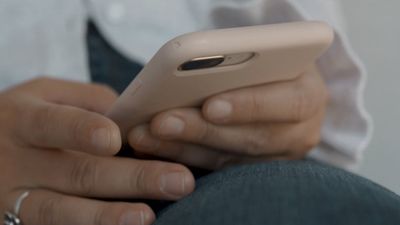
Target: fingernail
column 141, row 139
column 174, row 183
column 219, row 110
column 101, row 138
column 172, row 126
column 132, row 218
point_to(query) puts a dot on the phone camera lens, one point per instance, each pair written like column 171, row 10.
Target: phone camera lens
column 202, row 63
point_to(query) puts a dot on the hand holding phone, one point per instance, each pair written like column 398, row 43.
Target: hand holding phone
column 193, row 67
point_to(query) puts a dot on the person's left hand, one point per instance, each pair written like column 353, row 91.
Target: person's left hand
column 272, row 121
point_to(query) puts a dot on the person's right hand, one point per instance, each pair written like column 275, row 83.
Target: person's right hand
column 55, row 142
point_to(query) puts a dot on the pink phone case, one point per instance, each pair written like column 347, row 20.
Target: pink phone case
column 281, row 52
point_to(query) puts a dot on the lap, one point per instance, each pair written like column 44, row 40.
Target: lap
column 280, row 193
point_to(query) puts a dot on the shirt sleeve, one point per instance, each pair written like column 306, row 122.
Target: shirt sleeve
column 347, row 127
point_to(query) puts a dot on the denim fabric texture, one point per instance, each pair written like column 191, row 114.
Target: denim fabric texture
column 285, row 193
column 274, row 193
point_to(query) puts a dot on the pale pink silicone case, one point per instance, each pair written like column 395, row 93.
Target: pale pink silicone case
column 282, row 51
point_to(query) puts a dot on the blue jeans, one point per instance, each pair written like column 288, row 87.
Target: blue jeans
column 277, row 193
column 284, row 193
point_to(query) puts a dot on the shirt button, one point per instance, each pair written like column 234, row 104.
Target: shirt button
column 116, row 12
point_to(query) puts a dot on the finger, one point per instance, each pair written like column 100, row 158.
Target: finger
column 189, row 154
column 291, row 101
column 188, row 125
column 109, row 177
column 50, row 208
column 67, row 127
column 93, row 97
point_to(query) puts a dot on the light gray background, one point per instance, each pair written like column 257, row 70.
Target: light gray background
column 374, row 30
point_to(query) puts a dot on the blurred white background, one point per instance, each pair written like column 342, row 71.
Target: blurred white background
column 374, row 30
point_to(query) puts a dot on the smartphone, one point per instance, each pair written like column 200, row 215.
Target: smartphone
column 193, row 67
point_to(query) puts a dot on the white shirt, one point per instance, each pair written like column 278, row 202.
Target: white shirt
column 47, row 37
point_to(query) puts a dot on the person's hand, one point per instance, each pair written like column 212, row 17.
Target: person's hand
column 55, row 142
column 273, row 121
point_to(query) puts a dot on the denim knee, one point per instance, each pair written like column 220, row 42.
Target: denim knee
column 285, row 192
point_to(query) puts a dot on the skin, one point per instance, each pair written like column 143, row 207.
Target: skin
column 273, row 121
column 55, row 141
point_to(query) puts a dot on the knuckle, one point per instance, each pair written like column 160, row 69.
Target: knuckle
column 320, row 95
column 256, row 107
column 266, row 141
column 253, row 148
column 310, row 95
column 303, row 105
column 76, row 128
column 40, row 120
column 204, row 133
column 48, row 211
column 138, row 179
column 104, row 89
column 256, row 144
column 83, row 175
